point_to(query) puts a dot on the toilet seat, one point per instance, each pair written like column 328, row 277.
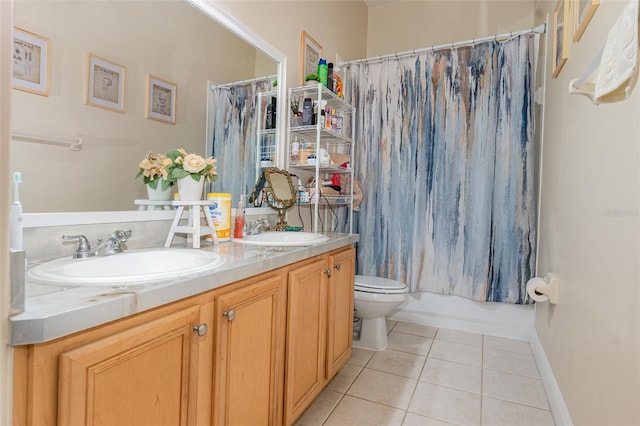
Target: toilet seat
column 370, row 284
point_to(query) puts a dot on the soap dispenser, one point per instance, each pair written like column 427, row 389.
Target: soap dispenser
column 238, row 229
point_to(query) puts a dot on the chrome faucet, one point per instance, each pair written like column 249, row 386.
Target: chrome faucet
column 84, row 248
column 258, row 226
column 111, row 245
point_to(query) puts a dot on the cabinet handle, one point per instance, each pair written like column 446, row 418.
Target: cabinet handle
column 230, row 315
column 337, row 266
column 328, row 272
column 201, row 329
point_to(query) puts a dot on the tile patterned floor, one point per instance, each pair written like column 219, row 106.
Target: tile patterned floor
column 432, row 377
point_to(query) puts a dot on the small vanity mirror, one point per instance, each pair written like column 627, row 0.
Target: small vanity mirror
column 280, row 194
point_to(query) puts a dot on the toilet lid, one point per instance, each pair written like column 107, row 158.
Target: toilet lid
column 379, row 285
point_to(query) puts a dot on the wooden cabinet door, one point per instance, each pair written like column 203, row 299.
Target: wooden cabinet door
column 146, row 375
column 249, row 354
column 306, row 336
column 340, row 310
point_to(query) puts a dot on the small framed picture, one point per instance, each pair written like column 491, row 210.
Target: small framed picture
column 310, row 54
column 583, row 11
column 560, row 34
column 104, row 84
column 161, row 100
column 30, row 62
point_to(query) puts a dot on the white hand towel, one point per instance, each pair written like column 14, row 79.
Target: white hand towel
column 617, row 64
column 619, row 67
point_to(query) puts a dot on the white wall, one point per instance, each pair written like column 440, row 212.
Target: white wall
column 396, row 26
column 590, row 237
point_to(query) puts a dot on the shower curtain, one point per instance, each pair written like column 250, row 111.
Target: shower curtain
column 447, row 140
column 234, row 141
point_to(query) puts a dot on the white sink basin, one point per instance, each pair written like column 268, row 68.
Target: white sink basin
column 129, row 267
column 283, row 239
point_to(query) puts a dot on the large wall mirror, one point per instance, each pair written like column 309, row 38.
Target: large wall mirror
column 182, row 42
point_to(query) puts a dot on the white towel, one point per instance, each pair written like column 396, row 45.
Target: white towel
column 613, row 74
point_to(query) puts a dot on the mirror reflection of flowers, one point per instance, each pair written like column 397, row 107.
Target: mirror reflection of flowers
column 193, row 165
column 155, row 168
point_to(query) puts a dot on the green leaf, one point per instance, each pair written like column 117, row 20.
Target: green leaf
column 177, row 173
column 173, row 154
column 166, row 184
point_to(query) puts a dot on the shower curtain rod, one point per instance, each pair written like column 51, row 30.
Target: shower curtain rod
column 250, row 80
column 540, row 29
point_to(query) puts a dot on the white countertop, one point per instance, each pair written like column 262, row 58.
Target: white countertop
column 53, row 311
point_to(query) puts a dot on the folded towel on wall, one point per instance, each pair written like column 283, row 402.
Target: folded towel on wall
column 614, row 72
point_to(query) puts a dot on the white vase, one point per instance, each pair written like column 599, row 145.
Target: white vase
column 158, row 194
column 189, row 189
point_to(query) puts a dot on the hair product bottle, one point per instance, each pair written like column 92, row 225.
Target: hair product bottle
column 323, row 70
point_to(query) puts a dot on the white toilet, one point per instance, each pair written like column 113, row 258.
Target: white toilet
column 373, row 299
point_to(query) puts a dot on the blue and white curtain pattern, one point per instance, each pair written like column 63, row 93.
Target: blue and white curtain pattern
column 445, row 151
column 234, row 142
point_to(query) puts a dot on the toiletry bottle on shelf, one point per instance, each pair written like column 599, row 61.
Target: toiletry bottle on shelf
column 339, row 88
column 238, row 229
column 295, row 150
column 307, row 112
column 330, row 76
column 323, row 69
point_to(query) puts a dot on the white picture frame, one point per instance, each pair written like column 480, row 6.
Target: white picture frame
column 30, row 62
column 105, row 84
column 161, row 100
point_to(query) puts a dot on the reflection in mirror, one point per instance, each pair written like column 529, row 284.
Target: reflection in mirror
column 235, row 113
column 279, row 193
column 170, row 40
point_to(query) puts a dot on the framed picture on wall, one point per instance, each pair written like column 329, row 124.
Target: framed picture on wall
column 30, row 62
column 583, row 11
column 310, row 54
column 560, row 34
column 161, row 100
column 104, row 84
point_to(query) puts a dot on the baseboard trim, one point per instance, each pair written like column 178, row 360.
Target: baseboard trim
column 459, row 313
column 557, row 406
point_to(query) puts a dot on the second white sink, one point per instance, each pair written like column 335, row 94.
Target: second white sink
column 284, row 239
column 130, row 267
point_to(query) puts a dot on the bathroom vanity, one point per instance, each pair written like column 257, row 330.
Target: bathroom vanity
column 253, row 342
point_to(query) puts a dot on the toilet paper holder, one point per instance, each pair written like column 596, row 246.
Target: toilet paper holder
column 543, row 289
